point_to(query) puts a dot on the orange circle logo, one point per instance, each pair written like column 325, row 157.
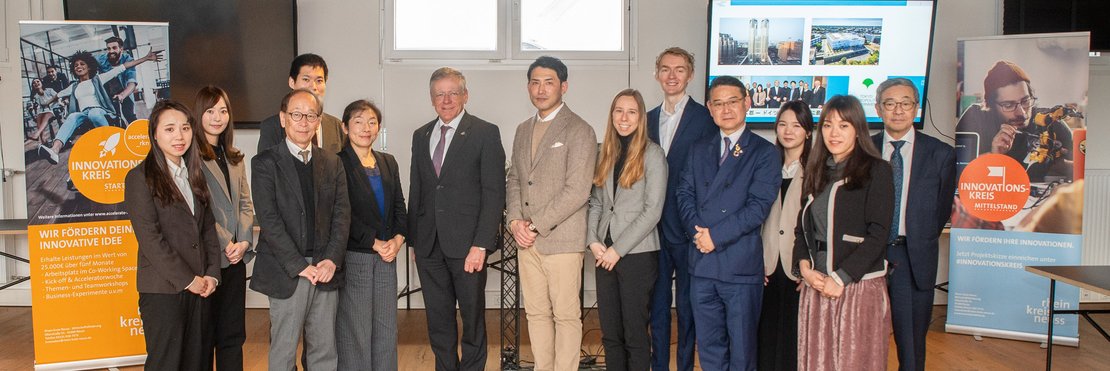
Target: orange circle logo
column 98, row 164
column 136, row 138
column 994, row 187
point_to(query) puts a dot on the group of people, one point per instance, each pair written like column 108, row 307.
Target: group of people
column 774, row 96
column 796, row 254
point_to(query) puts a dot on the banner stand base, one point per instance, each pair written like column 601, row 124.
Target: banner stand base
column 101, row 363
column 1011, row 335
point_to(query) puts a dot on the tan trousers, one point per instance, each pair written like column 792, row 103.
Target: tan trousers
column 550, row 285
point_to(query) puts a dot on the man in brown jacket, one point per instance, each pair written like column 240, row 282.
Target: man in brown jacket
column 549, row 182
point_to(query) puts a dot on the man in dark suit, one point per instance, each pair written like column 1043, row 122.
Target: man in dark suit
column 456, row 198
column 776, row 96
column 309, row 72
column 818, row 99
column 301, row 205
column 924, row 181
column 794, row 93
column 724, row 195
column 674, row 125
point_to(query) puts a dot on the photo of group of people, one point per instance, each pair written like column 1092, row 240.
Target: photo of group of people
column 780, row 41
column 76, row 78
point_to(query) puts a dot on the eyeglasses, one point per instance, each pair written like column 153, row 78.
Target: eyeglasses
column 453, row 94
column 297, row 116
column 890, row 105
column 727, row 103
column 1010, row 106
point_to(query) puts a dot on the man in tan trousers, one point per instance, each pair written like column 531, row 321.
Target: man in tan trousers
column 554, row 153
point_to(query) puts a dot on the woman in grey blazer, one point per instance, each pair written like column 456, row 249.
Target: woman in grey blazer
column 630, row 182
column 233, row 210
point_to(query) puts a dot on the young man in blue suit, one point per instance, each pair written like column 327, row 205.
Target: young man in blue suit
column 924, row 181
column 725, row 193
column 681, row 121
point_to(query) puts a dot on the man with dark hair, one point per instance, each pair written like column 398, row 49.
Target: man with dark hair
column 121, row 87
column 549, row 183
column 775, row 94
column 54, row 79
column 1003, row 120
column 924, row 182
column 310, row 72
column 301, row 204
column 795, row 93
column 674, row 125
column 726, row 191
column 456, row 197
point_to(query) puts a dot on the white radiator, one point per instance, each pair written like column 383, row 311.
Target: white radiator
column 1096, row 225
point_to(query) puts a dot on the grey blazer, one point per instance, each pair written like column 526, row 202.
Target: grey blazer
column 231, row 206
column 632, row 214
column 553, row 189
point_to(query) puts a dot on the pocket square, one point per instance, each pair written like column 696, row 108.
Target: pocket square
column 853, row 239
column 557, row 145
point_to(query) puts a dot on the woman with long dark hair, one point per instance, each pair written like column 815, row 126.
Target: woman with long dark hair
column 167, row 198
column 630, row 183
column 778, row 321
column 840, row 245
column 366, row 323
column 226, row 175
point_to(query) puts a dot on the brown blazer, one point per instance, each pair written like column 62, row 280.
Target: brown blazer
column 175, row 244
column 778, row 230
column 552, row 189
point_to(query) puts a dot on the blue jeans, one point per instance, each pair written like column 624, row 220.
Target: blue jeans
column 97, row 115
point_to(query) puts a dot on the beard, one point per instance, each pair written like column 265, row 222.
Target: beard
column 113, row 58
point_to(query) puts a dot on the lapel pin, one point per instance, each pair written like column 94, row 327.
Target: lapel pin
column 462, row 133
column 736, row 150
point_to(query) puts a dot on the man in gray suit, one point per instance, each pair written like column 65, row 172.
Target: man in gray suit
column 300, row 197
column 549, row 181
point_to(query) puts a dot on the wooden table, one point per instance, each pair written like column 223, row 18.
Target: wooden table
column 1091, row 277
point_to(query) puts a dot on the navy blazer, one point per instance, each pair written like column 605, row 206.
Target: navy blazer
column 732, row 202
column 930, row 191
column 694, row 124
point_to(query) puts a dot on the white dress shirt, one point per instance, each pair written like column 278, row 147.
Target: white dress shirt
column 180, row 175
column 734, row 138
column 550, row 116
column 907, row 161
column 433, row 139
column 668, row 122
column 296, row 150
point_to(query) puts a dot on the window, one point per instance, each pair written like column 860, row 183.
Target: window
column 479, row 30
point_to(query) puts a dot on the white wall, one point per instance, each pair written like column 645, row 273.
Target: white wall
column 346, row 33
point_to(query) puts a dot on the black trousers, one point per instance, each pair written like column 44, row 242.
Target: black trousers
column 227, row 330
column 624, row 309
column 443, row 283
column 778, row 323
column 174, row 326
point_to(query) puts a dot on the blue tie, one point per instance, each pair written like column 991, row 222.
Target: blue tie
column 724, row 154
column 896, row 165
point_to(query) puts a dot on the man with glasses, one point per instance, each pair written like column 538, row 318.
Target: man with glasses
column 456, row 198
column 1004, row 123
column 309, row 72
column 924, row 181
column 726, row 191
column 301, row 205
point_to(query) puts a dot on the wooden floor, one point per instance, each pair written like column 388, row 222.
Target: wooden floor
column 946, row 351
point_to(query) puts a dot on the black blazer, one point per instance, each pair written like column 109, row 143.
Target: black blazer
column 279, row 210
column 929, row 195
column 367, row 223
column 175, row 244
column 860, row 226
column 694, row 124
column 465, row 204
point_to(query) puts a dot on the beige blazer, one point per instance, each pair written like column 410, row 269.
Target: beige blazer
column 552, row 189
column 778, row 230
column 632, row 214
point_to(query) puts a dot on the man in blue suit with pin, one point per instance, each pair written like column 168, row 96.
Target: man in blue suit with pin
column 726, row 191
column 674, row 125
column 924, row 181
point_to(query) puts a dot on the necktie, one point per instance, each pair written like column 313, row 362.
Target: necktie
column 896, row 165
column 304, row 155
column 724, row 154
column 437, row 157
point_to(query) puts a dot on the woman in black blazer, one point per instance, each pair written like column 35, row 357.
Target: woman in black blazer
column 367, row 311
column 179, row 256
column 840, row 246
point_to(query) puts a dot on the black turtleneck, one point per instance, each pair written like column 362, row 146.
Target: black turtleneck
column 622, row 155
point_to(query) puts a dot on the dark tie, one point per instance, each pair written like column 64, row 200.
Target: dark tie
column 304, row 155
column 896, row 165
column 437, row 157
column 724, row 154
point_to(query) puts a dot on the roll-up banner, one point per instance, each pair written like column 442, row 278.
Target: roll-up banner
column 85, row 104
column 1019, row 200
